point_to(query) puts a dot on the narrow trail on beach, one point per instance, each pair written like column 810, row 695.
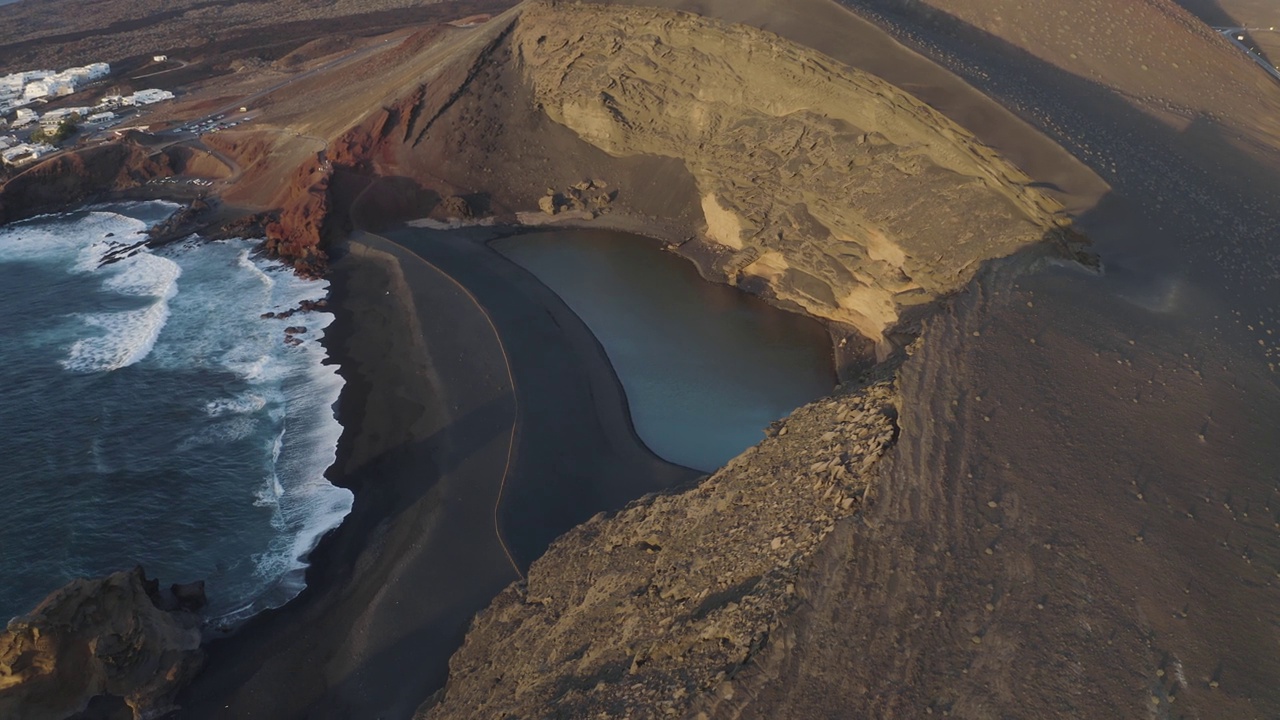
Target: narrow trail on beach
column 370, row 237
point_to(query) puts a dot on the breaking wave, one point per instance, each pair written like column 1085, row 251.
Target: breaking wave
column 238, row 418
column 129, row 335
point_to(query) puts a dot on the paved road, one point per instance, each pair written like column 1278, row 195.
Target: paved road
column 1233, row 34
column 181, row 64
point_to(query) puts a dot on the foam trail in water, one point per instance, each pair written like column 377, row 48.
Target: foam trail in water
column 243, row 404
column 77, row 240
column 131, row 334
column 308, row 505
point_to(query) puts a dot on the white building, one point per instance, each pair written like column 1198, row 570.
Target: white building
column 102, row 118
column 53, row 86
column 25, row 117
column 76, row 76
column 24, row 153
column 34, row 84
column 111, row 101
column 7, row 141
column 148, row 97
column 63, row 113
column 159, row 58
column 17, row 81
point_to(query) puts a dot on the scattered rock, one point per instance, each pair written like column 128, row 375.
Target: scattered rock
column 588, row 196
column 189, row 596
column 655, row 606
column 455, row 208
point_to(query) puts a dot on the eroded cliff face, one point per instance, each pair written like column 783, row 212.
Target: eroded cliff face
column 94, row 638
column 651, row 610
column 297, row 235
column 70, row 179
column 843, row 194
column 819, row 187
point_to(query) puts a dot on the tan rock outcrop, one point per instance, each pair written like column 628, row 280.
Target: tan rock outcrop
column 97, row 637
column 868, row 200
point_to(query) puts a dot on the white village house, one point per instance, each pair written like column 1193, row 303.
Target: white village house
column 24, row 117
column 102, row 118
column 49, row 87
column 24, row 153
column 43, row 83
column 148, row 97
column 53, row 117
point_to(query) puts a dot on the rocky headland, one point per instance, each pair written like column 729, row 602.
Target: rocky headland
column 100, row 173
column 113, row 639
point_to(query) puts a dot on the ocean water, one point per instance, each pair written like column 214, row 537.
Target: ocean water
column 151, row 416
column 705, row 367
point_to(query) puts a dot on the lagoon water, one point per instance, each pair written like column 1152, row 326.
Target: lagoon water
column 152, row 416
column 705, row 367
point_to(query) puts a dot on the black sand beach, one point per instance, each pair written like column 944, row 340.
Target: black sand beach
column 430, row 420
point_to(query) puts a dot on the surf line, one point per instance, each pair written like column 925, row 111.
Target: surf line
column 511, row 381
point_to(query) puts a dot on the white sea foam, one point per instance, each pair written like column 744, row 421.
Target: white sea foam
column 269, row 494
column 266, row 396
column 126, row 339
column 306, row 503
column 215, row 324
column 145, row 274
column 246, row 261
column 129, row 335
column 77, row 240
column 242, row 404
column 299, row 393
column 220, row 433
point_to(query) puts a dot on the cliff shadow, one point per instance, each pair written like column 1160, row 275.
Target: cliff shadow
column 380, row 202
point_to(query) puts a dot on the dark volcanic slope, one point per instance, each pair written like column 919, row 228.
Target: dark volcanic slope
column 1102, row 545
column 55, row 34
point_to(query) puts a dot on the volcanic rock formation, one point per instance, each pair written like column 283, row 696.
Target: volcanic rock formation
column 837, row 188
column 655, row 607
column 99, row 637
column 74, row 178
column 815, row 185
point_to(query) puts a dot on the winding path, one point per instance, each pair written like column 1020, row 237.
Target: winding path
column 375, row 240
